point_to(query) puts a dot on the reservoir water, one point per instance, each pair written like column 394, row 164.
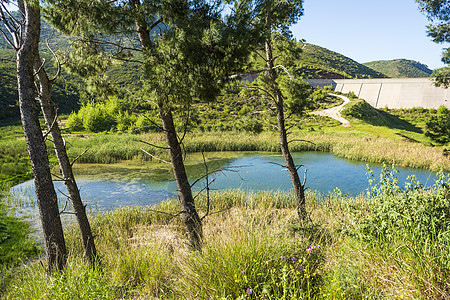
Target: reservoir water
column 106, row 187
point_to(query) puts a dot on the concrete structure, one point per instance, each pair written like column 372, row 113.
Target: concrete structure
column 393, row 93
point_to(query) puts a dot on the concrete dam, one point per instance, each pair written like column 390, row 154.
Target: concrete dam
column 391, row 92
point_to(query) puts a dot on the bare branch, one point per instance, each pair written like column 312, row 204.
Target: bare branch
column 151, row 155
column 76, row 158
column 40, row 68
column 159, row 147
column 51, row 126
column 285, row 70
column 207, row 187
column 304, row 179
column 299, row 140
column 64, row 208
column 274, row 163
column 58, row 71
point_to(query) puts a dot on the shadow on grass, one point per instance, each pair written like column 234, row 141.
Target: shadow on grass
column 363, row 111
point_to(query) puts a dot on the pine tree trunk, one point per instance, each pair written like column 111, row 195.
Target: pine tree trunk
column 299, row 190
column 189, row 216
column 46, row 196
column 87, row 238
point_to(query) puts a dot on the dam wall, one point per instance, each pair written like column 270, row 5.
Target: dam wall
column 391, row 92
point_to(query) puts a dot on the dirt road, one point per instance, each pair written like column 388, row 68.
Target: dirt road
column 334, row 112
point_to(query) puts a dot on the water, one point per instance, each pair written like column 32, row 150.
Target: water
column 106, row 187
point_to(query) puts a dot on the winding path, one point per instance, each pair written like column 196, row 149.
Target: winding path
column 334, row 112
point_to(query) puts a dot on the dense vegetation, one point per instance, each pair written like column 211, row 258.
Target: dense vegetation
column 319, row 62
column 390, row 244
column 400, row 68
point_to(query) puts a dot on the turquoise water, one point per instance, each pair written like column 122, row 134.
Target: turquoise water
column 105, row 187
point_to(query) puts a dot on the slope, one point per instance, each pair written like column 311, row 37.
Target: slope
column 400, row 68
column 319, row 62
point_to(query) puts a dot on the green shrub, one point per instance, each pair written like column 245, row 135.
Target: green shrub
column 409, row 211
column 249, row 124
column 74, row 122
column 438, row 126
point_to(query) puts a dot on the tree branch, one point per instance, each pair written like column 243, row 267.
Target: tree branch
column 76, row 158
column 159, row 147
column 151, row 155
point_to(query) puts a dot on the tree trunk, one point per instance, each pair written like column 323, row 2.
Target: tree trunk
column 90, row 252
column 189, row 213
column 299, row 189
column 46, row 196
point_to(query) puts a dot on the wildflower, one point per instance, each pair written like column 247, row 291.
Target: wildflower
column 243, row 271
column 301, row 268
column 311, row 248
column 276, row 242
column 294, row 259
column 249, row 291
column 282, row 257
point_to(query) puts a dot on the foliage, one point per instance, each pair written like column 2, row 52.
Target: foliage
column 438, row 12
column 438, row 126
column 400, row 68
column 112, row 115
column 412, row 224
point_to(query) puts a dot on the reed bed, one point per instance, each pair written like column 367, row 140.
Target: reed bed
column 350, row 145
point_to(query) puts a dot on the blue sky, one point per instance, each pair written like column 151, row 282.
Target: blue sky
column 369, row 30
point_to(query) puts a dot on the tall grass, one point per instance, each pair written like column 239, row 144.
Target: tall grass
column 392, row 243
column 354, row 145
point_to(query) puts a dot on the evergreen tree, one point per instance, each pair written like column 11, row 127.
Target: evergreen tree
column 438, row 12
column 187, row 49
column 25, row 34
column 273, row 19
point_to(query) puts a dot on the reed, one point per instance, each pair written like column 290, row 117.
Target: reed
column 354, row 145
column 254, row 248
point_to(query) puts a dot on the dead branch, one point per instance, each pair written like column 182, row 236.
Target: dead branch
column 217, row 212
column 59, row 177
column 76, row 158
column 304, row 179
column 151, row 155
column 207, row 187
column 274, row 163
column 64, row 208
column 285, row 70
column 51, row 126
column 58, row 71
column 166, row 213
column 40, row 68
column 159, row 147
column 299, row 140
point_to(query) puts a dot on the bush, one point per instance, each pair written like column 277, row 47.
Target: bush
column 250, row 124
column 410, row 211
column 438, row 126
column 74, row 122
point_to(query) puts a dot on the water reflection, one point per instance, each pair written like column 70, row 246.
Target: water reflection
column 105, row 187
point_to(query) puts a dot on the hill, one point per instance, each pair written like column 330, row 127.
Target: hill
column 400, row 68
column 319, row 62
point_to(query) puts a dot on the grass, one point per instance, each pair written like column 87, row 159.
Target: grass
column 255, row 249
column 362, row 143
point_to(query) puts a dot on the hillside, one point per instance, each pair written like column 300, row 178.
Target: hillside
column 400, row 68
column 319, row 62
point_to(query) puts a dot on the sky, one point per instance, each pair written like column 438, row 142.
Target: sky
column 369, row 30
